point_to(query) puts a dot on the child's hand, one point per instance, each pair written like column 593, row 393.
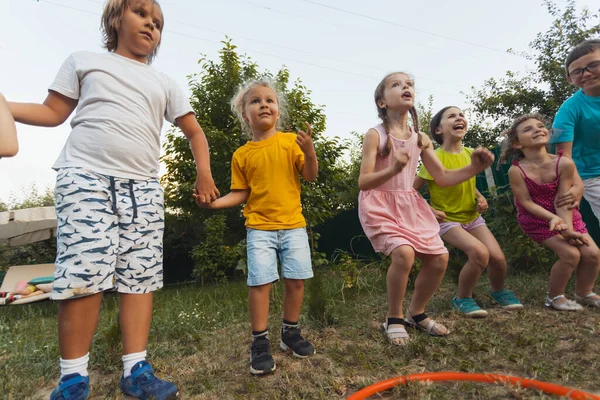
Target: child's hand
column 482, row 205
column 481, row 158
column 205, row 191
column 557, row 224
column 574, row 238
column 439, row 215
column 401, row 158
column 571, row 199
column 304, row 140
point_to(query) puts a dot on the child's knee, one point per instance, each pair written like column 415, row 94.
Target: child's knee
column 570, row 257
column 479, row 256
column 294, row 284
column 591, row 256
column 403, row 256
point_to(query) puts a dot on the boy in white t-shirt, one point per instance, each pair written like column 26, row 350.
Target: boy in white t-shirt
column 109, row 202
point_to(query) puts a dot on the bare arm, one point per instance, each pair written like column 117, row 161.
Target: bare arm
column 521, row 193
column 231, row 199
column 9, row 146
column 566, row 171
column 205, row 190
column 311, row 166
column 482, row 204
column 566, row 147
column 54, row 111
column 368, row 179
column 572, row 197
column 480, row 159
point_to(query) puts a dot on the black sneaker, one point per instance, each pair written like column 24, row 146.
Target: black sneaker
column 291, row 339
column 261, row 362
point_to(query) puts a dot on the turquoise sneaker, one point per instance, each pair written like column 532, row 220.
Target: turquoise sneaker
column 506, row 299
column 468, row 307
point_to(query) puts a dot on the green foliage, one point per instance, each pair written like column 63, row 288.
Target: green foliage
column 212, row 90
column 213, row 259
column 542, row 89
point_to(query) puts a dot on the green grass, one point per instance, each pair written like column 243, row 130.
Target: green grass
column 200, row 339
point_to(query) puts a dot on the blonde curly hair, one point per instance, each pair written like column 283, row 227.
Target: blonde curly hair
column 239, row 101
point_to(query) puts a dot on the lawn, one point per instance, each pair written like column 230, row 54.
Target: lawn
column 200, row 339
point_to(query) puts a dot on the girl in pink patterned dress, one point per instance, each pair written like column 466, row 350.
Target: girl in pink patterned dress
column 398, row 221
column 535, row 179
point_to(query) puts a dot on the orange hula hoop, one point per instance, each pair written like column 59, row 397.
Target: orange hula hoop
column 548, row 388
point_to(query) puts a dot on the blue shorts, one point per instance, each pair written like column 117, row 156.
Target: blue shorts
column 264, row 248
column 110, row 233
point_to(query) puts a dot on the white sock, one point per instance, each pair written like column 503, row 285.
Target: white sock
column 129, row 360
column 75, row 366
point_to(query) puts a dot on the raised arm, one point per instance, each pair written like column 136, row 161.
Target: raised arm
column 54, row 111
column 9, row 145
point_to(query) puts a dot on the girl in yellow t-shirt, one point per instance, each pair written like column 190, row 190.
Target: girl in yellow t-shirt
column 458, row 208
column 265, row 174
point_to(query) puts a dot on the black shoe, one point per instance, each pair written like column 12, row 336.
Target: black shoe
column 262, row 362
column 291, row 339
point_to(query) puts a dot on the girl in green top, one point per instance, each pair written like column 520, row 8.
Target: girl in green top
column 458, row 208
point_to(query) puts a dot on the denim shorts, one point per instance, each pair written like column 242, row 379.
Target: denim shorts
column 265, row 248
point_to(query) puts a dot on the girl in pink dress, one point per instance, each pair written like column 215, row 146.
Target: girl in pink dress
column 397, row 221
column 535, row 179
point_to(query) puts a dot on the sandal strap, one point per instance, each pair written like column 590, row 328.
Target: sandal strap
column 590, row 295
column 555, row 298
column 396, row 332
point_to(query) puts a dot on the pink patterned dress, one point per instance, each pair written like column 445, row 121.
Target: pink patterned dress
column 394, row 214
column 543, row 195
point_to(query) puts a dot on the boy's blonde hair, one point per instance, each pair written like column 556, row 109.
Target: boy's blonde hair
column 239, row 101
column 111, row 21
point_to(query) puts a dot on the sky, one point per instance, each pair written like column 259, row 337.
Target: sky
column 340, row 49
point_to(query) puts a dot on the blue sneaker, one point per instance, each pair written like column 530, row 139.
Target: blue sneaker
column 71, row 387
column 142, row 384
column 506, row 299
column 468, row 307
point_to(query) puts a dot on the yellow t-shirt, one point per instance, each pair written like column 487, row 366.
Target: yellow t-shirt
column 459, row 201
column 271, row 170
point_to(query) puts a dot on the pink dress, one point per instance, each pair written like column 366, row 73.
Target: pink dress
column 394, row 214
column 543, row 195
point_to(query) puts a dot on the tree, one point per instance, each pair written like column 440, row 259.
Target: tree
column 212, row 90
column 544, row 88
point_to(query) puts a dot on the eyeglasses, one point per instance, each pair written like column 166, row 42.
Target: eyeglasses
column 593, row 67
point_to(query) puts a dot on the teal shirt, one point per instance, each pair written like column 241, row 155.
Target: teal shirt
column 578, row 121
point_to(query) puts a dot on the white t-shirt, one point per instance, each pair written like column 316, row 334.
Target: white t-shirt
column 120, row 110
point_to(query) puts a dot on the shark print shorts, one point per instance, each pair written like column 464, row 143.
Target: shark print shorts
column 109, row 236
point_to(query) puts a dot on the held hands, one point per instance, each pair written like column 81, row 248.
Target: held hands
column 481, row 158
column 571, row 199
column 205, row 191
column 304, row 140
